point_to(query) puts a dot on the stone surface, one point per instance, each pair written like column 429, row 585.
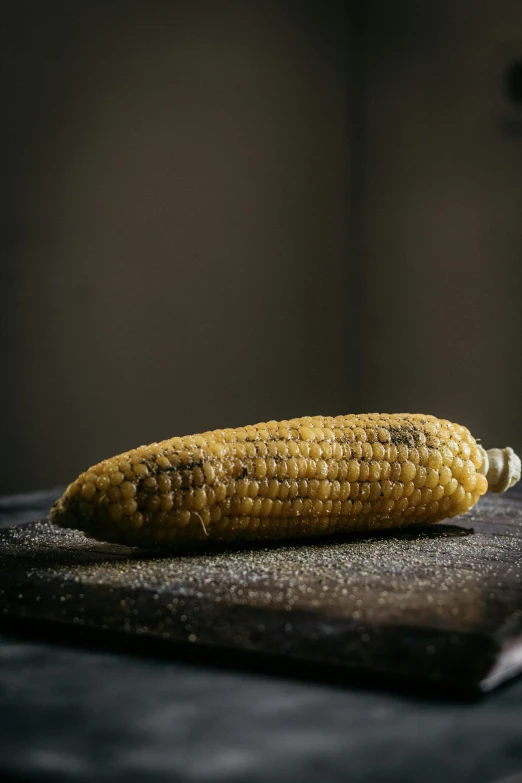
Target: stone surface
column 439, row 605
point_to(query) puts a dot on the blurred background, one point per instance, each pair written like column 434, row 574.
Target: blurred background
column 219, row 212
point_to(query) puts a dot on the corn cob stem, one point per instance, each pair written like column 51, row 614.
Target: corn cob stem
column 289, row 479
column 501, row 467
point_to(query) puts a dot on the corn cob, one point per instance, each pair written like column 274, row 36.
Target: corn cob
column 303, row 477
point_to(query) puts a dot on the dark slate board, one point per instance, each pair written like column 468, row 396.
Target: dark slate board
column 440, row 605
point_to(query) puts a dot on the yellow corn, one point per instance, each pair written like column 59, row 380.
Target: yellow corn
column 303, row 477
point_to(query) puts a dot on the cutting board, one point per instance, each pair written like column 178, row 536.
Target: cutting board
column 439, row 605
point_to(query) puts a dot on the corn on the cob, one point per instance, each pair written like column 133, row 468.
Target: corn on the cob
column 303, row 477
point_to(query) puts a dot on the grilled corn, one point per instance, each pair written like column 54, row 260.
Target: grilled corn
column 302, row 477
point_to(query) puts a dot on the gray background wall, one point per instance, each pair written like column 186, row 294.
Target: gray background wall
column 220, row 212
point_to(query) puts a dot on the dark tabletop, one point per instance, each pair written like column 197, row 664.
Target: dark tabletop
column 82, row 710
